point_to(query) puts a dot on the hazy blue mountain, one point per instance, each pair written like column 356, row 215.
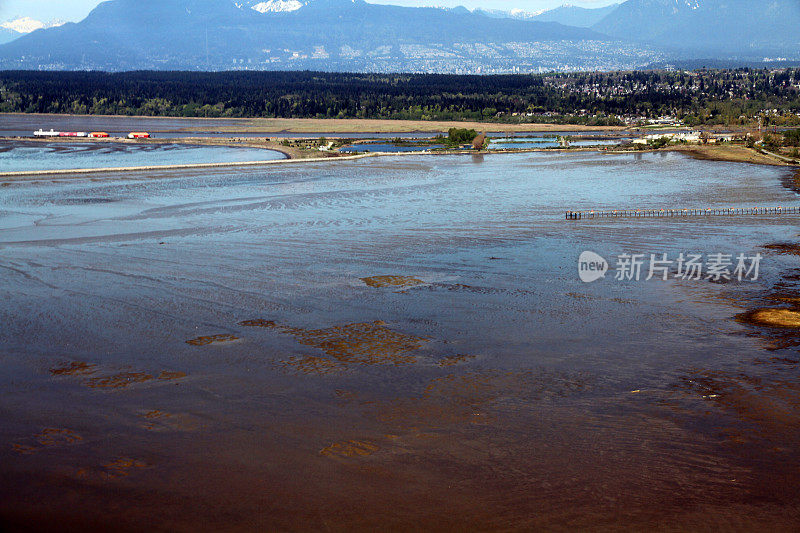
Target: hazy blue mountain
column 746, row 28
column 579, row 17
column 351, row 35
column 7, row 35
column 331, row 34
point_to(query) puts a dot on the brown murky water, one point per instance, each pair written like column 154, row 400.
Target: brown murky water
column 396, row 344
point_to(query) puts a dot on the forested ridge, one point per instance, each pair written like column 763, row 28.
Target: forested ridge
column 706, row 96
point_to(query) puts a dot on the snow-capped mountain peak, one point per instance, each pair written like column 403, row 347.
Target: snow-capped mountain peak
column 522, row 14
column 23, row 25
column 272, row 6
column 28, row 25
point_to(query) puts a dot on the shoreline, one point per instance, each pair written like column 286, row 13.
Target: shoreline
column 732, row 154
column 32, row 175
column 727, row 153
column 156, row 168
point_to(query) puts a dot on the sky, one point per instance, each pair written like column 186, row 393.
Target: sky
column 46, row 10
column 75, row 10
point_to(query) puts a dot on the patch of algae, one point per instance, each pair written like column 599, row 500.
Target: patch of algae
column 118, row 468
column 118, row 381
column 392, row 281
column 155, row 415
column 166, row 375
column 212, row 339
column 453, row 360
column 74, row 368
column 122, row 467
column 308, row 364
column 258, row 323
column 157, row 420
column 775, row 317
column 784, row 248
column 350, row 448
column 364, row 343
column 48, row 438
column 106, row 380
column 789, row 300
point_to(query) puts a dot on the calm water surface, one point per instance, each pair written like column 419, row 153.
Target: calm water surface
column 522, row 143
column 484, row 387
column 18, row 156
column 388, row 147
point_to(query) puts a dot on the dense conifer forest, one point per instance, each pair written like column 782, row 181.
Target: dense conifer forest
column 697, row 97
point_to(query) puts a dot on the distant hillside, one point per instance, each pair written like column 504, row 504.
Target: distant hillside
column 579, row 17
column 355, row 36
column 8, row 35
column 319, row 34
column 744, row 28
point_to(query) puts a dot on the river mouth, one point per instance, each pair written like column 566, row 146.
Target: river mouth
column 399, row 342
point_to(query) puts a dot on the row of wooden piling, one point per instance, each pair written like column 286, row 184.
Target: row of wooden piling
column 662, row 213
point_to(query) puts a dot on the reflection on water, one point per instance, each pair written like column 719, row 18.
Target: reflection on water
column 23, row 156
column 398, row 342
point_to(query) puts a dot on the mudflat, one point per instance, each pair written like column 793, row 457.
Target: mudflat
column 343, row 126
column 733, row 153
column 396, row 343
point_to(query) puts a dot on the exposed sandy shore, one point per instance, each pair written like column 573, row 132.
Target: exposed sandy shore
column 736, row 154
column 343, row 126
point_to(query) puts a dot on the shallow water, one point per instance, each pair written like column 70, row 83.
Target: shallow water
column 524, row 143
column 397, row 343
column 25, row 125
column 17, row 156
column 387, row 147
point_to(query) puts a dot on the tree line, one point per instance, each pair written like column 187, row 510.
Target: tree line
column 701, row 97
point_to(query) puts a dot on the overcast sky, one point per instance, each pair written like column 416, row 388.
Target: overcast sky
column 74, row 10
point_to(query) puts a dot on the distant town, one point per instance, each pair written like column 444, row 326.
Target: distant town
column 456, row 58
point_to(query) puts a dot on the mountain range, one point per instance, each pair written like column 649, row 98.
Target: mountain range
column 716, row 27
column 352, row 35
column 20, row 26
column 580, row 17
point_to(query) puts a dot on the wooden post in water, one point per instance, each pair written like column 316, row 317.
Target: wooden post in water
column 686, row 213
